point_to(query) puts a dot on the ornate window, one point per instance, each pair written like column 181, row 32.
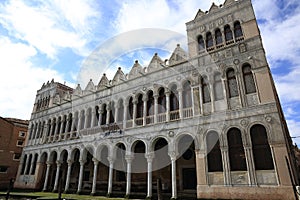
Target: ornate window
column 82, row 120
column 130, row 109
column 58, row 125
column 34, row 164
column 139, row 107
column 70, row 122
column 237, row 30
column 232, row 84
column 28, row 164
column 174, row 104
column 218, row 87
column 209, row 40
column 103, row 114
column 53, row 126
column 150, row 104
column 248, row 79
column 214, row 158
column 23, row 165
column 187, row 95
column 112, row 113
column 201, row 44
column 261, row 149
column 228, row 33
column 205, row 90
column 161, row 101
column 64, row 124
column 218, row 37
column 120, row 111
column 237, row 156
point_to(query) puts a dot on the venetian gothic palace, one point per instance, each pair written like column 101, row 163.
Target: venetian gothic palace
column 205, row 124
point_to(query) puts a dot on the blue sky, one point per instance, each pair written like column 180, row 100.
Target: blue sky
column 41, row 40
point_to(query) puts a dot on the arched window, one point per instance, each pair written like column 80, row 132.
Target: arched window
column 82, row 120
column 58, row 125
column 248, row 79
column 103, row 114
column 34, row 164
column 130, row 109
column 218, row 87
column 228, row 33
column 237, row 30
column 232, row 84
column 120, row 111
column 201, row 44
column 161, row 101
column 205, row 90
column 48, row 127
column 174, row 104
column 112, row 113
column 150, row 104
column 28, row 165
column 186, row 94
column 209, row 40
column 139, row 107
column 237, row 156
column 53, row 126
column 23, row 164
column 70, row 122
column 64, row 124
column 261, row 149
column 218, row 37
column 214, row 158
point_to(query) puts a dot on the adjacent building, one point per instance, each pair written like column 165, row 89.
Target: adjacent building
column 12, row 140
column 206, row 124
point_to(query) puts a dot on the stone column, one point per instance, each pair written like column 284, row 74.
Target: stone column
column 173, row 174
column 56, row 129
column 134, row 113
column 79, row 124
column 155, row 108
column 195, row 100
column 180, row 101
column 201, row 99
column 212, row 95
column 108, row 108
column 93, row 119
column 225, row 93
column 125, row 115
column 226, row 165
column 51, row 130
column 250, row 165
column 61, row 131
column 145, row 99
column 110, row 175
column 67, row 124
column 58, row 164
column 70, row 162
column 128, row 159
column 82, row 162
column 100, row 116
column 96, row 162
column 86, row 119
column 73, row 123
column 201, row 167
column 117, row 107
column 47, row 176
column 167, row 93
column 149, row 158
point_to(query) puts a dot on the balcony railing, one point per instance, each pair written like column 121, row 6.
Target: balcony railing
column 117, row 128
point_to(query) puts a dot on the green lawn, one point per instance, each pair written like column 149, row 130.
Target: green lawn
column 55, row 195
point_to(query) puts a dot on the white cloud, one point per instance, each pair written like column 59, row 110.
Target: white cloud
column 294, row 129
column 19, row 79
column 136, row 14
column 50, row 25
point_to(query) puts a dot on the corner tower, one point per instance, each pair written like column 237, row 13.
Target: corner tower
column 228, row 38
